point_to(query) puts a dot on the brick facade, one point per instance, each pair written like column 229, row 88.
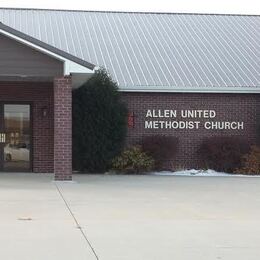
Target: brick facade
column 51, row 134
column 63, row 128
column 52, row 138
column 39, row 95
column 228, row 107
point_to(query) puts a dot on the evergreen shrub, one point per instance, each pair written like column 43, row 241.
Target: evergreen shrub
column 99, row 123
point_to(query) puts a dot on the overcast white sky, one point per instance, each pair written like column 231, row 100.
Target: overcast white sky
column 201, row 6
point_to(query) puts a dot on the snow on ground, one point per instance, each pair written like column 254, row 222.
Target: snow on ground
column 199, row 173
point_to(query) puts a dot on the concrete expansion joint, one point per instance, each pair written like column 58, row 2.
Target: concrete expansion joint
column 78, row 226
column 64, row 182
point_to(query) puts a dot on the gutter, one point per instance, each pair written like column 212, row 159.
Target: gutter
column 174, row 89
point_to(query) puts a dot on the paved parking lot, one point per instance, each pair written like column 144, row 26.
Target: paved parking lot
column 129, row 217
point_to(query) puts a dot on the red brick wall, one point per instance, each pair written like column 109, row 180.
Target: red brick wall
column 63, row 128
column 228, row 107
column 40, row 95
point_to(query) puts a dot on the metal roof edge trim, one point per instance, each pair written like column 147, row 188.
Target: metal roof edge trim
column 169, row 89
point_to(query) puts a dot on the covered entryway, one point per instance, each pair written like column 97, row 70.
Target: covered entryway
column 36, row 83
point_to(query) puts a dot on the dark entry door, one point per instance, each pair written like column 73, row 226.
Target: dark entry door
column 15, row 137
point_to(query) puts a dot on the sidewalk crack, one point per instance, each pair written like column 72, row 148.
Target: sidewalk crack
column 76, row 221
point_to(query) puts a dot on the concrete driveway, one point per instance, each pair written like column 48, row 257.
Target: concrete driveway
column 129, row 217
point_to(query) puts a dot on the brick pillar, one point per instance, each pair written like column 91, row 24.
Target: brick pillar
column 63, row 128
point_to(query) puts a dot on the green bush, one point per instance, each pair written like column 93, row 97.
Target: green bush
column 251, row 162
column 99, row 123
column 161, row 148
column 133, row 160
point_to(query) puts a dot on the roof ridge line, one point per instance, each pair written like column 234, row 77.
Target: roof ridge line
column 129, row 12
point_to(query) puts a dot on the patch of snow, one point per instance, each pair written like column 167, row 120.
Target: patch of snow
column 201, row 173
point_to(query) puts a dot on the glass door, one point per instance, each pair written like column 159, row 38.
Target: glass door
column 15, row 137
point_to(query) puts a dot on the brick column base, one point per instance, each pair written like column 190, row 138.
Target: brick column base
column 63, row 128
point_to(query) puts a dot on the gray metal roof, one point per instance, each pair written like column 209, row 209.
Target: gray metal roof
column 153, row 49
column 46, row 46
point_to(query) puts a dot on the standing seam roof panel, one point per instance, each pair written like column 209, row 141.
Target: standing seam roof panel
column 152, row 49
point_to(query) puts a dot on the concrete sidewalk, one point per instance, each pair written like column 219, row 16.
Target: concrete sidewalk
column 50, row 235
column 129, row 217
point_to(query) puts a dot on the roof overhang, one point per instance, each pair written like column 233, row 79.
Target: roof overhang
column 174, row 89
column 71, row 64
